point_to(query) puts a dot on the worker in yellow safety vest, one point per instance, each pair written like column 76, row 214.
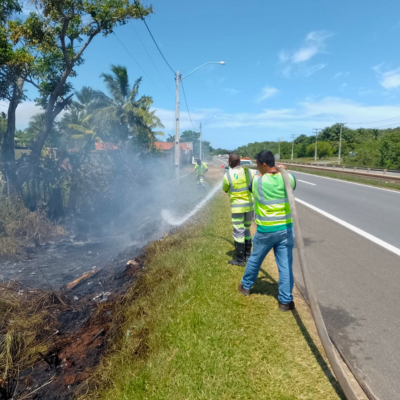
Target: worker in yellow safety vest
column 236, row 183
column 201, row 169
column 274, row 229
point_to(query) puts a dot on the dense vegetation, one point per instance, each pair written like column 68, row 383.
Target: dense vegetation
column 59, row 170
column 364, row 147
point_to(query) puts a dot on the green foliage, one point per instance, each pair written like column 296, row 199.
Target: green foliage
column 220, row 151
column 369, row 147
column 324, row 149
column 390, row 150
column 124, row 114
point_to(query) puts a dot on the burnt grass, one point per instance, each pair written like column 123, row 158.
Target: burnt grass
column 83, row 324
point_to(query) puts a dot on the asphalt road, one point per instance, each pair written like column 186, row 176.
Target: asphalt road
column 356, row 272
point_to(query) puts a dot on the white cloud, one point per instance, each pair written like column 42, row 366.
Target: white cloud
column 297, row 61
column 388, row 79
column 231, row 91
column 308, row 71
column 391, row 79
column 266, row 93
column 307, row 115
column 25, row 111
column 304, row 54
column 341, row 75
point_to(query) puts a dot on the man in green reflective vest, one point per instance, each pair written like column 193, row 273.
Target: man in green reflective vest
column 201, row 169
column 274, row 229
column 236, row 183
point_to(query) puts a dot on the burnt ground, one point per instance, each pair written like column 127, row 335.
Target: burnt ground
column 82, row 322
column 84, row 314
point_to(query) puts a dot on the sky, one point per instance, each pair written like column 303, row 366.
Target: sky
column 290, row 66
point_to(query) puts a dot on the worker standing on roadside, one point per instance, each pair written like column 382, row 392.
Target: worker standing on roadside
column 274, row 229
column 201, row 169
column 236, row 183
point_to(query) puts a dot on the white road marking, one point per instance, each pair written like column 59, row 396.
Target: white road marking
column 344, row 181
column 308, row 183
column 359, row 231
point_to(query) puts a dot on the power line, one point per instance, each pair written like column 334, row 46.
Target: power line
column 372, row 122
column 155, row 66
column 154, row 40
column 133, row 58
column 388, row 126
column 187, row 107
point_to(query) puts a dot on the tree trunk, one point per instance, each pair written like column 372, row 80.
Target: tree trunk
column 8, row 147
column 52, row 110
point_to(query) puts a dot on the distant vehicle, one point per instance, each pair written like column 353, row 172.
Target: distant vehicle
column 244, row 161
column 352, row 154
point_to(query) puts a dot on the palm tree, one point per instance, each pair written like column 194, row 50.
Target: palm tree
column 123, row 112
column 375, row 133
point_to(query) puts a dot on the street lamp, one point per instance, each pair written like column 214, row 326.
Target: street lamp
column 201, row 125
column 179, row 78
column 340, row 142
column 317, row 131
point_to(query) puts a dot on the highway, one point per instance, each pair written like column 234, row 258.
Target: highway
column 352, row 239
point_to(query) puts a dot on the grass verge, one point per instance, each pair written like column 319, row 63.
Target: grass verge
column 351, row 178
column 185, row 332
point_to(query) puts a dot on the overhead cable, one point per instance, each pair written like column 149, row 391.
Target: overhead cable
column 154, row 40
column 133, row 58
column 154, row 64
column 372, row 122
column 187, row 107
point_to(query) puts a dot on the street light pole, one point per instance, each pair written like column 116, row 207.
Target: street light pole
column 201, row 158
column 201, row 133
column 178, row 78
column 340, row 142
column 293, row 137
column 316, row 141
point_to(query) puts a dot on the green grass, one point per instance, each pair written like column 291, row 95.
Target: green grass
column 351, row 178
column 185, row 332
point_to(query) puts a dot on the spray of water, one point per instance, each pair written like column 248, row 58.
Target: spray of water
column 172, row 220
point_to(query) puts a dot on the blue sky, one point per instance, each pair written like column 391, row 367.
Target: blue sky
column 291, row 66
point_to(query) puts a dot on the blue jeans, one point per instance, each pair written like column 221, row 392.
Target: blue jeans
column 282, row 242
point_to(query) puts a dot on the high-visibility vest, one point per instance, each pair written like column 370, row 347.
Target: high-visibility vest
column 272, row 209
column 201, row 169
column 237, row 181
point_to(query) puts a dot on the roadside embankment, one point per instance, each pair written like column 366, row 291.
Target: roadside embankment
column 183, row 331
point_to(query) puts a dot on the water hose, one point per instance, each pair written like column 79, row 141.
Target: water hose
column 312, row 298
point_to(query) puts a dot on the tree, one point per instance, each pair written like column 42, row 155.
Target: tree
column 375, row 133
column 124, row 113
column 74, row 24
column 390, row 150
column 324, row 149
column 189, row 136
column 7, row 8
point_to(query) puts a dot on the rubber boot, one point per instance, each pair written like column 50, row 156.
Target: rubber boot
column 240, row 255
column 248, row 248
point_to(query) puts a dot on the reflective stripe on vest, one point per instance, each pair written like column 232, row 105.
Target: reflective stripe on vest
column 273, row 212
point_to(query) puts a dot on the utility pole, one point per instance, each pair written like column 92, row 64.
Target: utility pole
column 340, row 142
column 316, row 131
column 293, row 137
column 201, row 158
column 279, row 147
column 178, row 78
